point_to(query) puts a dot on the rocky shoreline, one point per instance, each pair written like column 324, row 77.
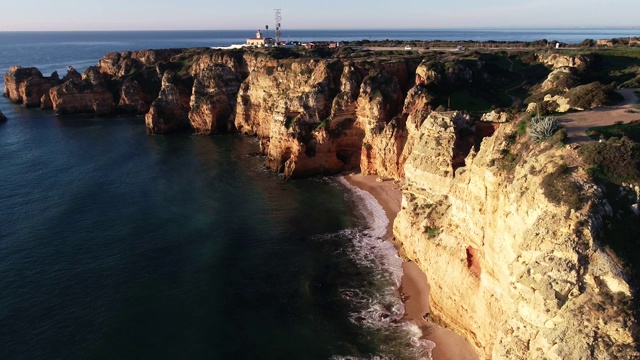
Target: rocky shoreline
column 518, row 275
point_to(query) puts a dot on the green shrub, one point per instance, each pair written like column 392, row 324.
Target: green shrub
column 560, row 188
column 522, row 127
column 592, row 95
column 559, row 137
column 613, row 160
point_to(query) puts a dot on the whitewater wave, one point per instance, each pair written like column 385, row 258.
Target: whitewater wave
column 378, row 305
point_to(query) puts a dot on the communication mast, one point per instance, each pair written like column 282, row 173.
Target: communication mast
column 278, row 19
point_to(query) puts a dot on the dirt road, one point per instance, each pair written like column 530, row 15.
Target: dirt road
column 579, row 122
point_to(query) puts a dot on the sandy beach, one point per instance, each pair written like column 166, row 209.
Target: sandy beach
column 387, row 193
column 415, row 287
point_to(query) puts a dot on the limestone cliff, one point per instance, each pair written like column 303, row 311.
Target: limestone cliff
column 87, row 95
column 519, row 277
column 213, row 99
column 169, row 112
column 27, row 85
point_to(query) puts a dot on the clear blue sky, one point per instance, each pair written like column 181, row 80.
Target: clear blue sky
column 321, row 14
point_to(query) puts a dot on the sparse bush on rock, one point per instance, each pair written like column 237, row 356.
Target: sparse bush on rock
column 560, row 188
column 542, row 127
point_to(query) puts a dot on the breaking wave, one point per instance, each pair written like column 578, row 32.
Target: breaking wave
column 376, row 303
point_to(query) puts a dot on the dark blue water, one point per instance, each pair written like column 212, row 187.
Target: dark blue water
column 119, row 245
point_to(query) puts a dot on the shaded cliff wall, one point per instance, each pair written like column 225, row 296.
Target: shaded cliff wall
column 519, row 277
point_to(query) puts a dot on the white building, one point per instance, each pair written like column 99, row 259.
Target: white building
column 260, row 41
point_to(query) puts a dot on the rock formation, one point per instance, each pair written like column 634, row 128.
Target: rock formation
column 169, row 112
column 213, row 100
column 27, row 85
column 87, row 95
column 531, row 271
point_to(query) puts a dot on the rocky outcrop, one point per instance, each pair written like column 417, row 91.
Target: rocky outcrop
column 379, row 102
column 496, row 117
column 287, row 104
column 169, row 112
column 556, row 60
column 119, row 65
column 27, row 85
column 518, row 276
column 87, row 95
column 561, row 80
column 213, row 100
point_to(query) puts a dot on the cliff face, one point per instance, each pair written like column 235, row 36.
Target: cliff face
column 169, row 112
column 86, row 95
column 519, row 277
column 213, row 99
column 27, row 85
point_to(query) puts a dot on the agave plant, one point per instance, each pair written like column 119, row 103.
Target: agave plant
column 542, row 127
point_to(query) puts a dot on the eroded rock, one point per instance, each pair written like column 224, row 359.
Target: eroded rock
column 170, row 111
column 213, row 100
column 86, row 95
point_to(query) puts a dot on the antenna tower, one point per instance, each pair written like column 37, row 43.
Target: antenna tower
column 278, row 19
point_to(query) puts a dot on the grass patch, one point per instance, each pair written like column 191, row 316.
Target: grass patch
column 614, row 160
column 630, row 130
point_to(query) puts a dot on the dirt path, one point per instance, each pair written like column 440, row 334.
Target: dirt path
column 579, row 122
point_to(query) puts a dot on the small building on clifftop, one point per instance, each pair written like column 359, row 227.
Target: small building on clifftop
column 260, row 41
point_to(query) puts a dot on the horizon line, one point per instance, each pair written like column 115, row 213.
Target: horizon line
column 619, row 27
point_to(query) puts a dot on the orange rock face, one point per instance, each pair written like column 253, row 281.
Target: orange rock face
column 213, row 100
column 87, row 95
column 27, row 85
column 169, row 112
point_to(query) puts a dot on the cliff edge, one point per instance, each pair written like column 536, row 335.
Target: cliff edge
column 519, row 276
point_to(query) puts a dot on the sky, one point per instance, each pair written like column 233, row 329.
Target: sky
column 39, row 15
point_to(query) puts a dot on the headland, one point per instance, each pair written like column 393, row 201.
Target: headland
column 523, row 238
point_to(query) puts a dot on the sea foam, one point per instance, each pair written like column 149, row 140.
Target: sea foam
column 379, row 306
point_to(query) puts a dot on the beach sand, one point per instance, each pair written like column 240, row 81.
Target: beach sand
column 415, row 287
column 387, row 193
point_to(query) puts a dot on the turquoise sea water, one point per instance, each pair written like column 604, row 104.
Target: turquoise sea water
column 119, row 245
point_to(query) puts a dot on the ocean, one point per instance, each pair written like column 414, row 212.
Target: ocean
column 119, row 245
